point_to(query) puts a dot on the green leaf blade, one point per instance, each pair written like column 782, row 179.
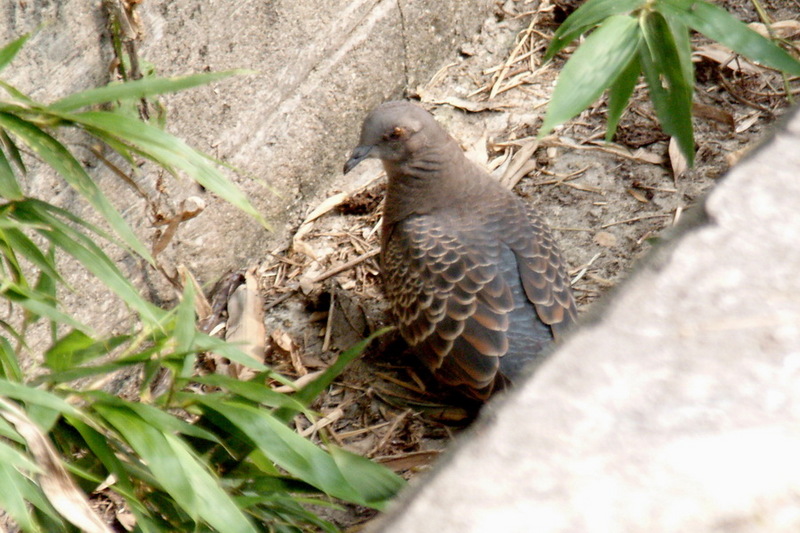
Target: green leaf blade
column 57, row 156
column 619, row 94
column 717, row 24
column 10, row 51
column 88, row 254
column 586, row 17
column 167, row 150
column 670, row 91
column 284, row 447
column 142, row 88
column 182, row 475
column 9, row 186
column 592, row 68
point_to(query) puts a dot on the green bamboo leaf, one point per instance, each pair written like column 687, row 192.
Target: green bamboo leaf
column 9, row 51
column 142, row 88
column 164, row 422
column 76, row 348
column 619, row 93
column 717, row 24
column 295, row 454
column 89, row 255
column 20, row 243
column 7, row 431
column 99, row 446
column 9, row 365
column 586, row 17
column 185, row 329
column 683, row 45
column 309, row 393
column 33, row 205
column 181, row 474
column 38, row 397
column 13, row 270
column 46, row 286
column 58, row 157
column 38, row 305
column 376, row 483
column 12, row 150
column 670, row 91
column 592, row 68
column 13, row 500
column 17, row 94
column 12, row 456
column 206, row 343
column 167, row 150
column 253, row 390
column 9, row 186
column 79, row 372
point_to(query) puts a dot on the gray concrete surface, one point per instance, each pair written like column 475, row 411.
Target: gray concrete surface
column 675, row 409
column 320, row 66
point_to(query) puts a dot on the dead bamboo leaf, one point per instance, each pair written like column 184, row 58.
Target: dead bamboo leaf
column 55, row 481
column 641, row 155
column 727, row 58
column 472, row 107
column 246, row 324
column 747, row 123
column 408, row 461
column 201, row 304
column 783, row 29
column 477, row 152
column 677, row 160
column 286, row 345
column 714, row 113
column 326, row 420
column 640, row 195
column 605, row 239
column 188, row 209
column 521, row 164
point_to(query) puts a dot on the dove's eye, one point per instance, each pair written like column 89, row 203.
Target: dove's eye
column 396, row 134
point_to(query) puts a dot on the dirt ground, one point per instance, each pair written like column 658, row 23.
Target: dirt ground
column 608, row 204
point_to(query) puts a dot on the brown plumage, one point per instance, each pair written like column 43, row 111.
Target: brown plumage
column 474, row 279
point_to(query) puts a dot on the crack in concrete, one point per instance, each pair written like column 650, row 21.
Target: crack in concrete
column 404, row 37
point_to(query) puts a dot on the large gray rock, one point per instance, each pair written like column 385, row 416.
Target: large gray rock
column 676, row 408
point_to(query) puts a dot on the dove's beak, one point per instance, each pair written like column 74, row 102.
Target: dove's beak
column 359, row 154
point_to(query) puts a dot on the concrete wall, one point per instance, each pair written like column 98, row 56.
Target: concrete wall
column 320, row 66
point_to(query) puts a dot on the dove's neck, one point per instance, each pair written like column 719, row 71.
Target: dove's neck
column 434, row 177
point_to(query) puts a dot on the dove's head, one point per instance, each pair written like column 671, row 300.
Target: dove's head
column 396, row 132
